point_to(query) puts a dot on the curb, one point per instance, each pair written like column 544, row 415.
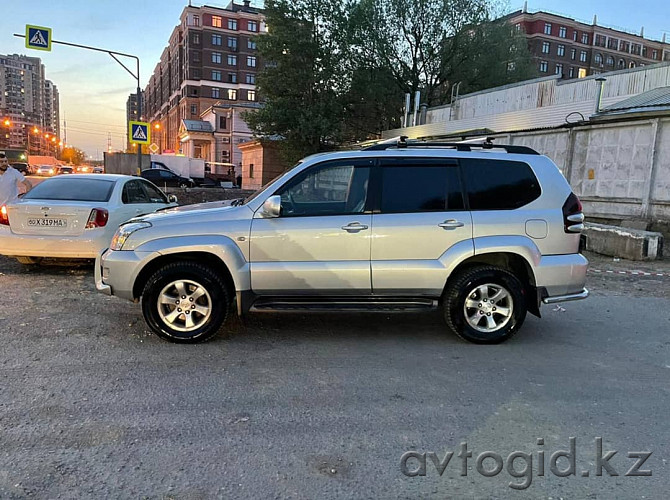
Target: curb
column 633, row 273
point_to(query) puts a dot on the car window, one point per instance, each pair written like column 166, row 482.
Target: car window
column 335, row 188
column 417, row 187
column 155, row 195
column 133, row 193
column 165, row 174
column 71, row 188
column 150, row 174
column 499, row 184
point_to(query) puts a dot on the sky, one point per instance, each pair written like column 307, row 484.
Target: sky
column 94, row 88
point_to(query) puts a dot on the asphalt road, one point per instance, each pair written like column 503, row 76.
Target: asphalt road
column 322, row 406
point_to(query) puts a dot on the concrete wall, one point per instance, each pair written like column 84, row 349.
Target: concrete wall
column 619, row 170
column 542, row 102
column 124, row 163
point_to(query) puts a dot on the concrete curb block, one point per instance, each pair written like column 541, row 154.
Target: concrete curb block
column 625, row 243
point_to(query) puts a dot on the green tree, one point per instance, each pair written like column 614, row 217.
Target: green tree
column 72, row 155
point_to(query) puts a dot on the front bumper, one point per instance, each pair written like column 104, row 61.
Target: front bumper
column 116, row 272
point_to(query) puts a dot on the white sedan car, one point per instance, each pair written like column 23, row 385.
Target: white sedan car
column 74, row 216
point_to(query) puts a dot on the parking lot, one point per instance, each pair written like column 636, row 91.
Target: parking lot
column 314, row 406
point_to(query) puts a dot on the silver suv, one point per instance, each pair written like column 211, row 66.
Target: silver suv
column 485, row 232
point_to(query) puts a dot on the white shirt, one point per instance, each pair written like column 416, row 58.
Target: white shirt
column 9, row 185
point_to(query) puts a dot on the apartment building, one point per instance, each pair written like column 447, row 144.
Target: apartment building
column 27, row 101
column 210, row 61
column 573, row 49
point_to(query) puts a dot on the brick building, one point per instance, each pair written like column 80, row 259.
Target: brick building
column 210, row 60
column 563, row 46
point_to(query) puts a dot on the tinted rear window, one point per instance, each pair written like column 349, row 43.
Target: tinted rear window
column 420, row 188
column 499, row 184
column 72, row 189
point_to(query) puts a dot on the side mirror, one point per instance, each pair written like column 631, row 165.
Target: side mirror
column 172, row 198
column 272, row 207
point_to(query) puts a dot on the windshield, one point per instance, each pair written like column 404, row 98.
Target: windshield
column 72, row 190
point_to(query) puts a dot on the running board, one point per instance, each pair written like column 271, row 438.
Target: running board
column 325, row 304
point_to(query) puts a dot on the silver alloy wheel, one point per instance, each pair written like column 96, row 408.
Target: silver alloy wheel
column 184, row 305
column 488, row 308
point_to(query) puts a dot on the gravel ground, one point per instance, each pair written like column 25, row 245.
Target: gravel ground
column 319, row 406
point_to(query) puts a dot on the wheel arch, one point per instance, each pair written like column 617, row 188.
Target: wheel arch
column 509, row 260
column 221, row 253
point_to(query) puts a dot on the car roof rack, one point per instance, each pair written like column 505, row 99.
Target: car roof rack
column 402, row 143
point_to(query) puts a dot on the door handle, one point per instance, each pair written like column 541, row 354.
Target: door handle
column 451, row 224
column 354, row 226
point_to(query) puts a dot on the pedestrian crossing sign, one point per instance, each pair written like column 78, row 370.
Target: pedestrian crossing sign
column 139, row 132
column 38, row 37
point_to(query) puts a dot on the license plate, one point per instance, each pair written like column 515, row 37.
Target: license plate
column 47, row 222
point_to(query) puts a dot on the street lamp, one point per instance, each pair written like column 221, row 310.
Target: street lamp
column 157, row 127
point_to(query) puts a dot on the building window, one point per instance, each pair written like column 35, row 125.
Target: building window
column 194, row 109
column 571, row 73
column 251, row 170
column 613, row 43
column 251, row 61
column 232, row 24
column 251, row 79
column 216, row 40
column 545, row 47
column 585, row 38
column 622, row 64
column 232, row 43
column 654, row 54
column 216, row 57
column 215, row 93
column 582, row 73
column 251, row 44
column 582, row 56
column 575, row 34
column 543, row 66
column 232, row 77
column 631, row 64
column 196, row 20
column 517, row 26
column 232, row 94
column 217, row 21
column 232, row 60
column 598, row 58
column 573, row 54
column 610, row 61
column 216, row 75
column 561, row 50
column 251, row 95
column 253, row 25
column 222, row 122
column 644, row 51
column 563, row 32
column 559, row 69
column 196, row 55
column 547, row 28
column 195, row 39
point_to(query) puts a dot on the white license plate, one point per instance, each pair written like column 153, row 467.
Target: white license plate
column 47, row 222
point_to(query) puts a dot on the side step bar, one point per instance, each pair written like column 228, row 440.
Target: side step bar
column 325, row 304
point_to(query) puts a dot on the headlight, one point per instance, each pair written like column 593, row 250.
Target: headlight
column 124, row 231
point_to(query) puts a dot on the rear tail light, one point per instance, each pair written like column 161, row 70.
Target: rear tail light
column 4, row 216
column 98, row 218
column 573, row 218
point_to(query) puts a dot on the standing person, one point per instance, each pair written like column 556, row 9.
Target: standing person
column 10, row 180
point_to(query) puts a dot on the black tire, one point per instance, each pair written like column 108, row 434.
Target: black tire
column 219, row 299
column 465, row 286
column 29, row 261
